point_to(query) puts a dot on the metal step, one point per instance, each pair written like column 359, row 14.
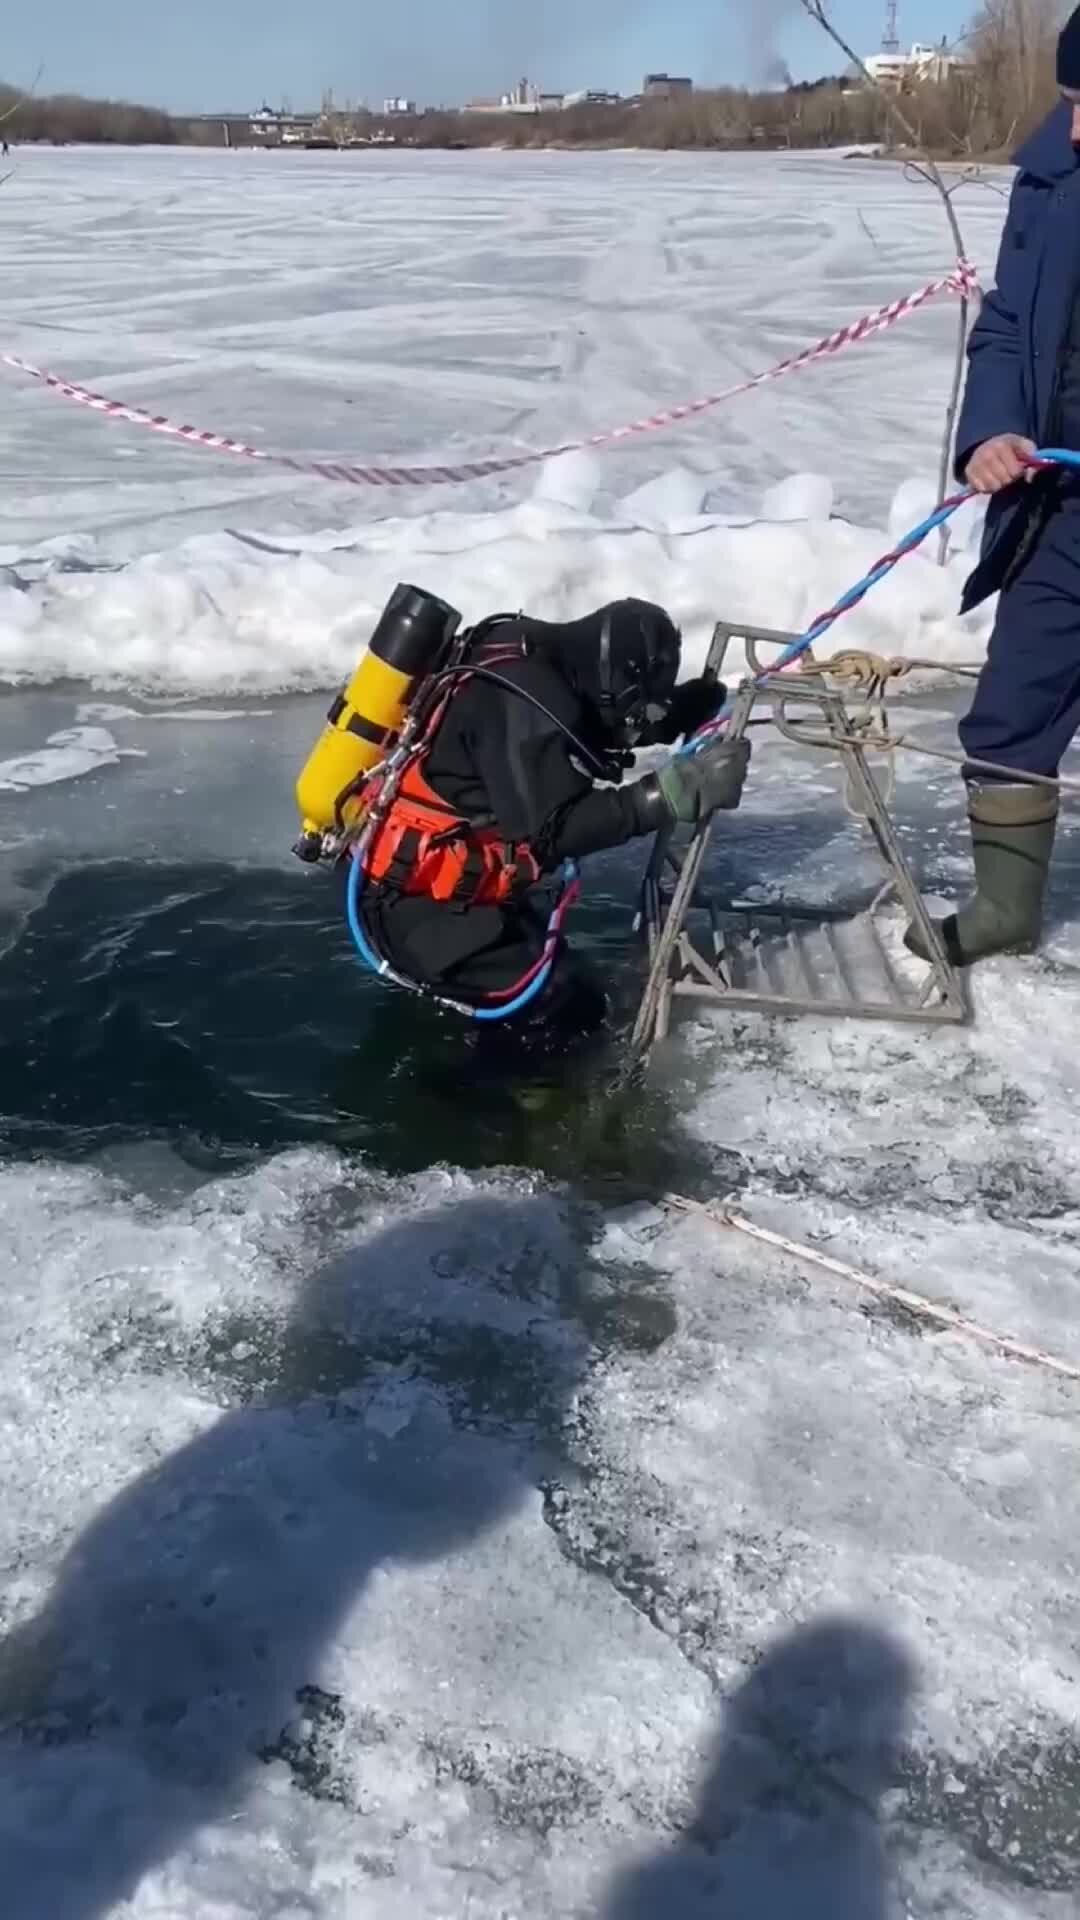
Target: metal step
column 827, row 965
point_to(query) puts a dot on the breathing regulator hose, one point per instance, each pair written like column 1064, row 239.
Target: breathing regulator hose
column 503, row 1006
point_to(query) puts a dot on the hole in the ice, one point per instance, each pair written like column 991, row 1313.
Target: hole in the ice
column 221, row 1013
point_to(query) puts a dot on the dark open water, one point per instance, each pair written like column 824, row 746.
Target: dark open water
column 168, row 973
column 221, row 1010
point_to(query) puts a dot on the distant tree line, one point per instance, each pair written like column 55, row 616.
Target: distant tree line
column 981, row 109
column 725, row 117
column 63, row 118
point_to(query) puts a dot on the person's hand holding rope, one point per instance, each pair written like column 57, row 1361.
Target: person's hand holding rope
column 1001, row 462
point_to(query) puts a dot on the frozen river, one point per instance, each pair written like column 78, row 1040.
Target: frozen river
column 404, row 1519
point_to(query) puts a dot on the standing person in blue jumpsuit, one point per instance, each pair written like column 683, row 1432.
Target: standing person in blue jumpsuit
column 1023, row 391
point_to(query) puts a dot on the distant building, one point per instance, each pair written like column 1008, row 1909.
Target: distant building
column 591, row 97
column 268, row 125
column 665, row 86
column 398, row 109
column 920, row 66
column 264, row 128
column 524, row 98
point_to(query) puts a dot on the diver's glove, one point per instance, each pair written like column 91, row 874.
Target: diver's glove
column 695, row 703
column 693, row 785
column 692, row 705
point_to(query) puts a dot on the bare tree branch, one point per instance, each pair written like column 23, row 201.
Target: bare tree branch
column 27, row 94
column 927, row 168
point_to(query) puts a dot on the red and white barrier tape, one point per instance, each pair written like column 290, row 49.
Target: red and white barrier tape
column 963, row 281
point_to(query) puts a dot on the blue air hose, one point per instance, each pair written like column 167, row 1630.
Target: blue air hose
column 531, row 991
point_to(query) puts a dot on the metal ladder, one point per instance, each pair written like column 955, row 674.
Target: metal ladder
column 788, row 960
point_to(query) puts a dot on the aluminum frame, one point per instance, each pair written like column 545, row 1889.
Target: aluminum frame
column 797, row 969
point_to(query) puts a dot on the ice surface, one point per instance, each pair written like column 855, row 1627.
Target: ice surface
column 802, row 496
column 354, row 1588
column 223, row 614
column 316, row 1466
column 282, row 1578
column 515, row 313
column 672, row 503
column 381, row 1550
column 65, row 756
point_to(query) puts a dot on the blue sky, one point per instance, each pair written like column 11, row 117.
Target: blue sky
column 230, row 54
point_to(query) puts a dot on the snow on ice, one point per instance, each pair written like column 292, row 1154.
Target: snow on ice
column 227, row 613
column 400, row 1550
column 424, row 331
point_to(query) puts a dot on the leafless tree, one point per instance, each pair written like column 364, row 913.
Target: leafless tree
column 10, row 104
column 11, row 100
column 928, row 168
column 1011, row 44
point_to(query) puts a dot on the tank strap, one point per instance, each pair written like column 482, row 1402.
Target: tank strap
column 404, row 859
column 482, row 856
column 363, row 729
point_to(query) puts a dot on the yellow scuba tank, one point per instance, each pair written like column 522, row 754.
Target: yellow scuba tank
column 411, row 641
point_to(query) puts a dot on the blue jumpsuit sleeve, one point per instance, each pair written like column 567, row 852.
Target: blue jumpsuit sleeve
column 995, row 400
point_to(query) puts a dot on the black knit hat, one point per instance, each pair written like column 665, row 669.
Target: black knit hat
column 1068, row 58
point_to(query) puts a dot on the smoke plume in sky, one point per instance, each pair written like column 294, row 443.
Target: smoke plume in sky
column 761, row 24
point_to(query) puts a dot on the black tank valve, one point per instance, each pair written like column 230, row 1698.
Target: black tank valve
column 309, row 848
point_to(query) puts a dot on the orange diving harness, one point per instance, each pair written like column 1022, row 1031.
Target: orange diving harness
column 410, row 839
column 424, row 846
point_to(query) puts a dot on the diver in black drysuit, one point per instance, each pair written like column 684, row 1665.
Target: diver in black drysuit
column 503, row 754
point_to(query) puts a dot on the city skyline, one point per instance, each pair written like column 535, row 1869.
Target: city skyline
column 201, row 59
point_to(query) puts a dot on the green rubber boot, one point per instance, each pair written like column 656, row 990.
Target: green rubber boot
column 1012, row 838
